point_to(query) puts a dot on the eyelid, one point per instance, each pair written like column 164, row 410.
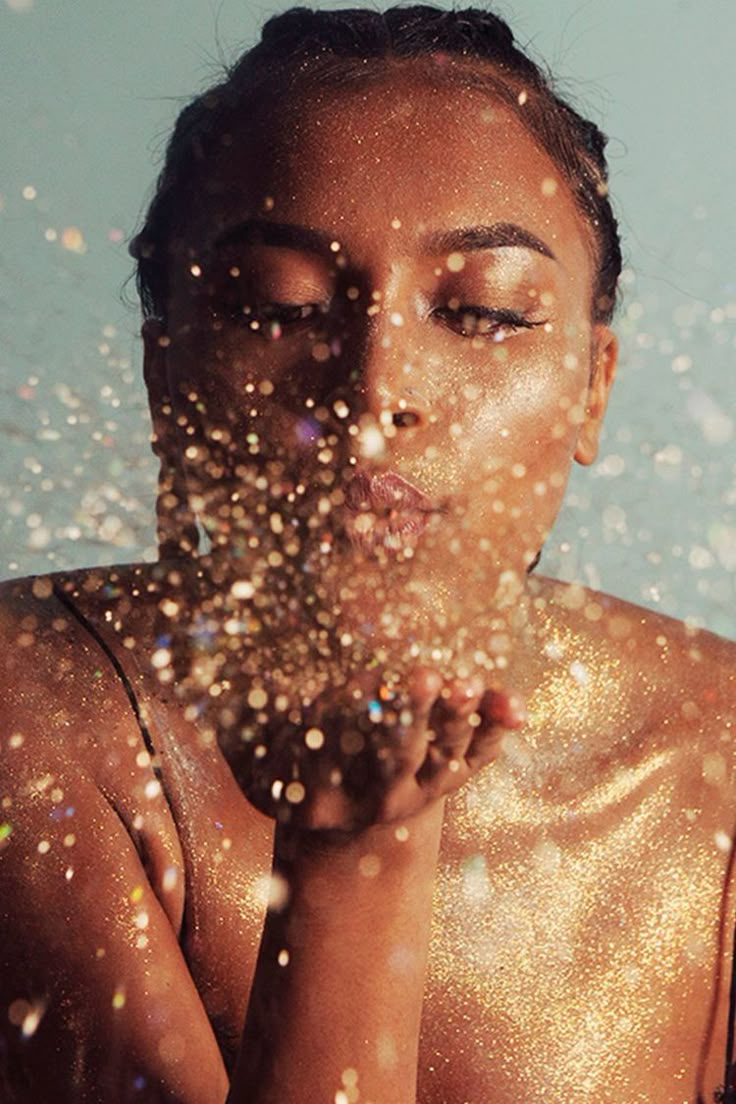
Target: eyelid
column 312, row 274
column 270, row 320
column 270, row 290
column 498, row 319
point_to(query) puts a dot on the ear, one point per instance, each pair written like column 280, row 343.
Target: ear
column 605, row 359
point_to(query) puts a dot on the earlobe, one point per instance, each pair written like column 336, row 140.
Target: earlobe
column 605, row 359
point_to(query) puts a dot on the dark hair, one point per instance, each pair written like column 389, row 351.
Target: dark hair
column 302, row 45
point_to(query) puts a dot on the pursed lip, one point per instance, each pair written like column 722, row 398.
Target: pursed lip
column 385, row 510
column 384, row 492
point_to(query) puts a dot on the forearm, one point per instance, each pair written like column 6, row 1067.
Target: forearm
column 341, row 969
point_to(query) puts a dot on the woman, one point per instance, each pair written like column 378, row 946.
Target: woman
column 378, row 276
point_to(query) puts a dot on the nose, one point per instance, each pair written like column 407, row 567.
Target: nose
column 386, row 372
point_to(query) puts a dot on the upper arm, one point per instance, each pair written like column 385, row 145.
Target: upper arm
column 90, row 964
column 97, row 1003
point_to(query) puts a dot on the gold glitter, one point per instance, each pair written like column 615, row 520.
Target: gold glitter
column 257, row 698
column 578, row 890
column 314, row 738
column 295, row 793
column 369, row 865
column 72, row 239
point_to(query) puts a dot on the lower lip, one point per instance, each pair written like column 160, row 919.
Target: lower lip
column 395, row 532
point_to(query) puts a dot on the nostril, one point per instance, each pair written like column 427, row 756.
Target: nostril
column 405, row 419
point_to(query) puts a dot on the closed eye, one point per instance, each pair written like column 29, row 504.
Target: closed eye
column 473, row 321
column 270, row 319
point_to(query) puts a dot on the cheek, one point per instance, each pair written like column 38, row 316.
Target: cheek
column 535, row 402
column 518, row 446
column 217, row 387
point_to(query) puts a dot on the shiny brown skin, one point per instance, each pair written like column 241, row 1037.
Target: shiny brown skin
column 186, row 991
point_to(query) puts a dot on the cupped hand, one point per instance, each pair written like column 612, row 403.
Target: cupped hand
column 373, row 752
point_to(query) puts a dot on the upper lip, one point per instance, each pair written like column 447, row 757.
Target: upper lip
column 384, row 492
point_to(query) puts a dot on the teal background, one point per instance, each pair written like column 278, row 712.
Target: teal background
column 90, row 89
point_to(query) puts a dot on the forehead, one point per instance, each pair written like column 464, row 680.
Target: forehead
column 397, row 151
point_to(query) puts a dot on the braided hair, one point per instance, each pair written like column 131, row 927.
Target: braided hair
column 303, row 49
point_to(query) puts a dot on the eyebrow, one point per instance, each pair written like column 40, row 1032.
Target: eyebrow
column 287, row 235
column 466, row 239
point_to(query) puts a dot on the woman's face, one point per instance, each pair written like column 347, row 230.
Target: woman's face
column 381, row 319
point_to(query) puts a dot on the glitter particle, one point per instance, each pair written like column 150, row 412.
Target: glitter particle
column 369, row 865
column 295, row 793
column 72, row 239
column 31, row 1021
column 314, row 738
column 169, row 879
column 257, row 698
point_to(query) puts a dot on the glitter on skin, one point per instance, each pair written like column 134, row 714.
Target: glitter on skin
column 539, row 939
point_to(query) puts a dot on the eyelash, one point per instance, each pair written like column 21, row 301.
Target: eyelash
column 282, row 315
column 487, row 323
column 498, row 321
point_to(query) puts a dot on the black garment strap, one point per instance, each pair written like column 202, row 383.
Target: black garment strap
column 83, row 621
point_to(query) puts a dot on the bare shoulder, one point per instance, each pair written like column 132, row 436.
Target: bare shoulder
column 683, row 661
column 669, row 684
column 69, row 719
column 671, row 658
column 55, row 679
column 66, row 711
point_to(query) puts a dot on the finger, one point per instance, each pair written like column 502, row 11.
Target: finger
column 441, row 776
column 499, row 711
column 503, row 707
column 452, row 720
column 445, row 767
column 424, row 684
column 410, row 736
column 410, row 741
column 454, row 717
